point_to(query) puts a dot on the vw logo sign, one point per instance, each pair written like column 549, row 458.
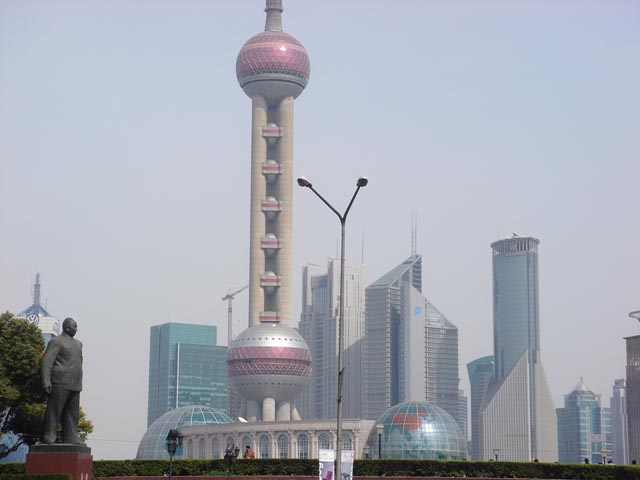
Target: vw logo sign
column 33, row 318
column 417, row 311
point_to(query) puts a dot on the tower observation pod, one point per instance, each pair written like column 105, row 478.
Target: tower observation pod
column 269, row 363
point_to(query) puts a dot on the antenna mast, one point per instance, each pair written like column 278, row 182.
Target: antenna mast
column 414, row 234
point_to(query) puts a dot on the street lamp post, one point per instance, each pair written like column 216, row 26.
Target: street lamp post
column 380, row 430
column 230, row 455
column 362, row 182
column 174, row 440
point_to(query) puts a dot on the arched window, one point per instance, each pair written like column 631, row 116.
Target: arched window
column 347, row 444
column 215, row 448
column 190, row 449
column 264, row 447
column 202, row 451
column 324, row 441
column 303, row 446
column 283, row 446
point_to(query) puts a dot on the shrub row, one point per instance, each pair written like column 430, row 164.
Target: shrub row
column 430, row 468
column 362, row 468
column 257, row 467
column 57, row 476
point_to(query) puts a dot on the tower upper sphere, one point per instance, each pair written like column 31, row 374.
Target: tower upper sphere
column 273, row 64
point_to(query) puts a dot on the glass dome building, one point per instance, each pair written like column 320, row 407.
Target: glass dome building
column 418, row 430
column 153, row 444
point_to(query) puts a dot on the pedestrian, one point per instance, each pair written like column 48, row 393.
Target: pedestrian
column 248, row 453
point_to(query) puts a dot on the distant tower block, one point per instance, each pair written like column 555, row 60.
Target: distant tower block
column 272, row 69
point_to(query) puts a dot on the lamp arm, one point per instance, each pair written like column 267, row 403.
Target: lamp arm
column 346, row 212
column 327, row 203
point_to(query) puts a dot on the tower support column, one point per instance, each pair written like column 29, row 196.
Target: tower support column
column 258, row 193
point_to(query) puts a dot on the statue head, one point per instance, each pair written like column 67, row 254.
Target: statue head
column 69, row 326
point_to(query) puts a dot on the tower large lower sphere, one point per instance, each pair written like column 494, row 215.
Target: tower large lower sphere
column 272, row 69
column 268, row 365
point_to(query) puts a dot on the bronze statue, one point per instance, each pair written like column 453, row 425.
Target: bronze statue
column 61, row 372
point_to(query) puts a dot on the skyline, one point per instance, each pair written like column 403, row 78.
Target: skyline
column 481, row 118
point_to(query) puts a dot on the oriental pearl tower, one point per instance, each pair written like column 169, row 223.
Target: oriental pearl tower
column 270, row 362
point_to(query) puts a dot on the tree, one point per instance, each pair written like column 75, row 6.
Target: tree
column 21, row 395
column 22, row 399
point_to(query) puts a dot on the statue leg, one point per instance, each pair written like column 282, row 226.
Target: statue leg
column 69, row 418
column 55, row 403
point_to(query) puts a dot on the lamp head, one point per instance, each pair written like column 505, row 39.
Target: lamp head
column 635, row 315
column 304, row 182
column 362, row 182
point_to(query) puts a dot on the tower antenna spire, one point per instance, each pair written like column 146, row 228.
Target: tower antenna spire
column 414, row 234
column 36, row 291
column 273, row 23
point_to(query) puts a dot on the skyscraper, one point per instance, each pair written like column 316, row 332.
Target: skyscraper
column 269, row 363
column 319, row 327
column 584, row 427
column 619, row 433
column 383, row 317
column 411, row 348
column 633, row 392
column 186, row 367
column 480, row 373
column 463, row 415
column 517, row 417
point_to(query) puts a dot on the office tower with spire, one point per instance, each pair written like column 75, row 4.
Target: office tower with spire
column 186, row 367
column 480, row 373
column 619, row 433
column 36, row 313
column 517, row 417
column 319, row 327
column 584, row 427
column 270, row 363
column 411, row 348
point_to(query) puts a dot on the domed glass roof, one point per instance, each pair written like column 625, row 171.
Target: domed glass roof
column 418, row 430
column 153, row 443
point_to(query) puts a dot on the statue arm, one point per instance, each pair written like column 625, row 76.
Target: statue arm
column 46, row 364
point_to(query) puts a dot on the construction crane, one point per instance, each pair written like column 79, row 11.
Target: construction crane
column 230, row 297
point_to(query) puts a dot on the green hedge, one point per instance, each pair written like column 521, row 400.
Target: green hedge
column 430, row 468
column 362, row 468
column 115, row 468
column 370, row 468
column 56, row 476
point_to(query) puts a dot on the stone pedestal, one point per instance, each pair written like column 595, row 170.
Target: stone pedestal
column 60, row 458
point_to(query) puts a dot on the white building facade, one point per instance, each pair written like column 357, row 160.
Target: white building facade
column 319, row 328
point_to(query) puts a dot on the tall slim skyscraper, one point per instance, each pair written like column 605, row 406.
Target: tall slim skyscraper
column 319, row 327
column 269, row 363
column 584, row 427
column 411, row 348
column 517, row 417
column 633, row 392
column 186, row 367
column 619, row 433
column 480, row 374
column 463, row 415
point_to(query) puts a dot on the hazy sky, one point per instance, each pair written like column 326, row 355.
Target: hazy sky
column 124, row 168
